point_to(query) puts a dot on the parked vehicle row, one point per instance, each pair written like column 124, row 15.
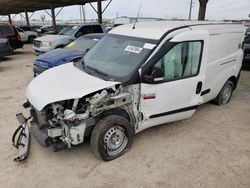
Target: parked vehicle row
column 73, row 52
column 137, row 76
column 48, row 29
column 29, row 28
column 26, row 35
column 61, row 37
column 64, row 37
column 53, row 32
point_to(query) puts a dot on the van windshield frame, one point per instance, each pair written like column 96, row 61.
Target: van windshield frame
column 117, row 57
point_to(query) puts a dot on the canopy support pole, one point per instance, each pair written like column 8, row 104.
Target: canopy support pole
column 27, row 18
column 53, row 16
column 10, row 20
column 99, row 11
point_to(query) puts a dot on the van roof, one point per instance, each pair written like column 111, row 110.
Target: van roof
column 156, row 29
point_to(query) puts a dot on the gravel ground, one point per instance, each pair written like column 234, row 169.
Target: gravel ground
column 211, row 149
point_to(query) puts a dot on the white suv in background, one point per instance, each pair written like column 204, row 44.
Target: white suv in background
column 65, row 36
column 26, row 36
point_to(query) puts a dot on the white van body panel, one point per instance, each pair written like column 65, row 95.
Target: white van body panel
column 156, row 29
column 224, row 58
column 174, row 95
column 221, row 60
column 162, row 120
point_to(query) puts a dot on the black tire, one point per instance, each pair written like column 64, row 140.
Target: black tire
column 103, row 132
column 31, row 39
column 222, row 98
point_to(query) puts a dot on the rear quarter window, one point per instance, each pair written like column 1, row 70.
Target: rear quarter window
column 5, row 30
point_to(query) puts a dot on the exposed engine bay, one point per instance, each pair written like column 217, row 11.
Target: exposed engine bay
column 66, row 123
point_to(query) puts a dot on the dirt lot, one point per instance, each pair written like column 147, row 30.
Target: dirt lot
column 211, row 149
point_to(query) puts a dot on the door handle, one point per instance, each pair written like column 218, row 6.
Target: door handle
column 198, row 87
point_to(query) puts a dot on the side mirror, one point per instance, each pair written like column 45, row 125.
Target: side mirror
column 157, row 75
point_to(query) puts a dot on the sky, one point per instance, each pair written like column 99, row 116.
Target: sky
column 216, row 9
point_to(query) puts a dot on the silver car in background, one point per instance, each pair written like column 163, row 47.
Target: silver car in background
column 65, row 36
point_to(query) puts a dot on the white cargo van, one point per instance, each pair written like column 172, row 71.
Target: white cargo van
column 136, row 77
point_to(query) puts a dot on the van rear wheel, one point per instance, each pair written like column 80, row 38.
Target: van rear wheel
column 225, row 94
column 111, row 137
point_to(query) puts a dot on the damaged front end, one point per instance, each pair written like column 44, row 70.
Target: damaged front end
column 21, row 138
column 67, row 123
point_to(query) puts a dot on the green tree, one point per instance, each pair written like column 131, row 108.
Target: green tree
column 202, row 9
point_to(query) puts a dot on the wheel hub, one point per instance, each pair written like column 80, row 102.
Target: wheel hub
column 115, row 140
column 226, row 94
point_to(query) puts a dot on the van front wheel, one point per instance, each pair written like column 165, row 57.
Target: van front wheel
column 225, row 94
column 111, row 137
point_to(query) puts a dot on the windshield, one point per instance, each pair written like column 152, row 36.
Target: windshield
column 117, row 57
column 82, row 44
column 68, row 30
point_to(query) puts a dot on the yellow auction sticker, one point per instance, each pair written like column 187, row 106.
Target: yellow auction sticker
column 133, row 49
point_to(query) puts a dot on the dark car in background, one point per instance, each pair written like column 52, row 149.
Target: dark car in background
column 36, row 28
column 48, row 29
column 9, row 31
column 246, row 59
column 44, row 29
column 5, row 49
column 58, row 29
column 73, row 52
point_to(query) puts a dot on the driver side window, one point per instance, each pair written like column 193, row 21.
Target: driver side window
column 181, row 61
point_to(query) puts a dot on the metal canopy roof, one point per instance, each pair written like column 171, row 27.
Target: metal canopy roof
column 18, row 6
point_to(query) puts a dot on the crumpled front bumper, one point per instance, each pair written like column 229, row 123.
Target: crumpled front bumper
column 21, row 138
